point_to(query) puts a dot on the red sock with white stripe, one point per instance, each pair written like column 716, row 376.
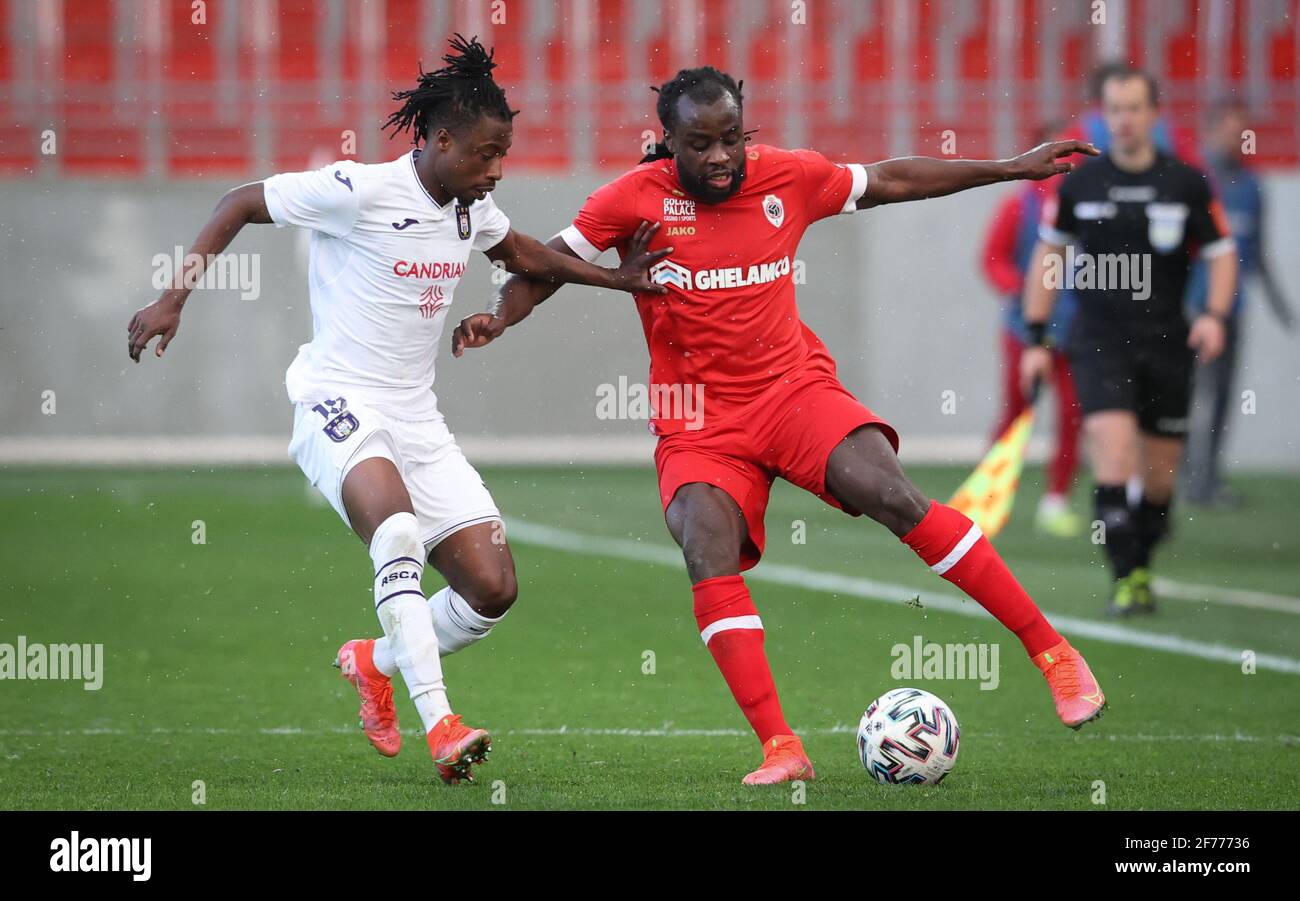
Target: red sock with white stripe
column 733, row 633
column 956, row 549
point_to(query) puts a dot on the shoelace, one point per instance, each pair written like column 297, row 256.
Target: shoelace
column 380, row 707
column 1065, row 673
column 453, row 727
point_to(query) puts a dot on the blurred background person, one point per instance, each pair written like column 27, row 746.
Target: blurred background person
column 1009, row 240
column 1212, row 395
column 1091, row 126
column 1130, row 345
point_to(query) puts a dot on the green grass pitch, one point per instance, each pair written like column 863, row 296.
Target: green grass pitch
column 217, row 657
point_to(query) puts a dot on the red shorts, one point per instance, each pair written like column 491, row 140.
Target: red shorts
column 789, row 432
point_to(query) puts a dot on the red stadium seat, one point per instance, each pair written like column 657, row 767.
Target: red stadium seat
column 831, row 83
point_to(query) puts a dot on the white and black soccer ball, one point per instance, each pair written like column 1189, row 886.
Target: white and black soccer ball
column 908, row 736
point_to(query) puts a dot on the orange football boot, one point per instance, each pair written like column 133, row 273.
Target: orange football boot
column 783, row 761
column 1075, row 691
column 378, row 715
column 456, row 747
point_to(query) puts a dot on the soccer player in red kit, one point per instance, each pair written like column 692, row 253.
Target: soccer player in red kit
column 728, row 333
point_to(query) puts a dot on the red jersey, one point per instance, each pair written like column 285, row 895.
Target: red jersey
column 729, row 322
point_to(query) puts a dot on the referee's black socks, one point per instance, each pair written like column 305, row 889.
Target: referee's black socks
column 1152, row 525
column 1122, row 539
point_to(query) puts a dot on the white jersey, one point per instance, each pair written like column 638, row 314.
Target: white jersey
column 385, row 261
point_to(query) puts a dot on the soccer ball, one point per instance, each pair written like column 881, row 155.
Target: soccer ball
column 908, row 736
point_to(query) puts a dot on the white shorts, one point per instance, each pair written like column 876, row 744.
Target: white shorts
column 447, row 494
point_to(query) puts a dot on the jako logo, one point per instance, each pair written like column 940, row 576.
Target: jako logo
column 103, row 855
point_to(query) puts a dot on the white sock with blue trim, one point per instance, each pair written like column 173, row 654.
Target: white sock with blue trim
column 457, row 623
column 404, row 613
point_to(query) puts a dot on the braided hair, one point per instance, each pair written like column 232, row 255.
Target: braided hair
column 703, row 85
column 452, row 97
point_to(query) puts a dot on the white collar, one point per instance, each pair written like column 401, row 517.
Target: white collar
column 440, row 210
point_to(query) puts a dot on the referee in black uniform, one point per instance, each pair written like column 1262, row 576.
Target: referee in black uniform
column 1122, row 232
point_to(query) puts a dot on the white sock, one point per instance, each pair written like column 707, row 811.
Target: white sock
column 1053, row 503
column 384, row 656
column 457, row 623
column 404, row 613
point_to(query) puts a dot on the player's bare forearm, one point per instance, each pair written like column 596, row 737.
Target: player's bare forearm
column 237, row 208
column 921, row 177
column 520, row 294
column 1039, row 295
column 513, row 303
column 528, row 257
column 525, row 256
column 517, row 298
column 1208, row 332
column 1222, row 285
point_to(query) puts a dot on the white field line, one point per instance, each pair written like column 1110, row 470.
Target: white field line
column 1182, row 591
column 1218, row 594
column 665, row 731
column 219, row 450
column 888, row 592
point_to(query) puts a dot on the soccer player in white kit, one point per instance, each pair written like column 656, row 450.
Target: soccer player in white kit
column 389, row 244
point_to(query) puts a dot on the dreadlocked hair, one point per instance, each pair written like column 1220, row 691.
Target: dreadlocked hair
column 452, row 97
column 703, row 85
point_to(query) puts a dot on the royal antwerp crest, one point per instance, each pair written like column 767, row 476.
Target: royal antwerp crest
column 774, row 210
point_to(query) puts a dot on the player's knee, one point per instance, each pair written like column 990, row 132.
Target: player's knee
column 910, row 504
column 895, row 502
column 708, row 560
column 494, row 594
column 397, row 536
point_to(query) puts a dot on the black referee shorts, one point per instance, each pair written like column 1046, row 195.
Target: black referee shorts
column 1149, row 374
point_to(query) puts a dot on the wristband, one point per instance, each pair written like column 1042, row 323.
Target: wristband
column 1037, row 333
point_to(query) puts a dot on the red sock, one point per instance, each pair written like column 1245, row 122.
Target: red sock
column 733, row 633
column 956, row 549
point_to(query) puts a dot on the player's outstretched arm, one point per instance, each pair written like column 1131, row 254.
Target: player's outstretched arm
column 520, row 294
column 532, row 259
column 921, row 177
column 237, row 208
